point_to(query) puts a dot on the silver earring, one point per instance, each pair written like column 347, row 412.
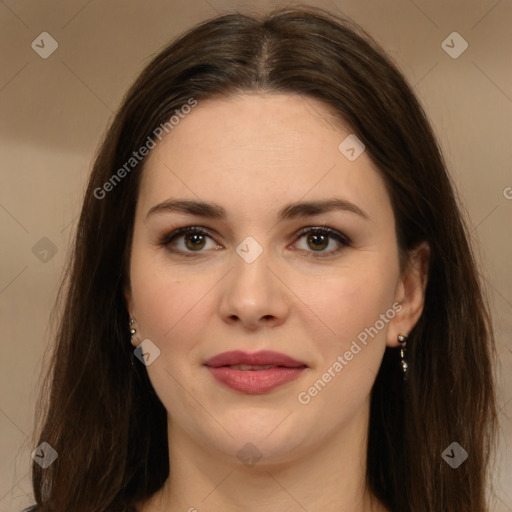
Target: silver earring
column 402, row 339
column 132, row 329
column 132, row 334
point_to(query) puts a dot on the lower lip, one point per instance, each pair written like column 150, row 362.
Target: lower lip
column 255, row 381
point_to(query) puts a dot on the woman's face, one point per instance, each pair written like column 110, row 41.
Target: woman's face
column 251, row 281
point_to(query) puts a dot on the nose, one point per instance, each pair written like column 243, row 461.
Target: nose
column 254, row 295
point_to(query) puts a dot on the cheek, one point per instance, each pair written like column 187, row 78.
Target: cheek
column 167, row 307
column 170, row 312
column 352, row 298
column 173, row 305
column 350, row 351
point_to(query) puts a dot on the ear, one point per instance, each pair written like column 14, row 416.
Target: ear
column 410, row 293
column 129, row 306
column 128, row 298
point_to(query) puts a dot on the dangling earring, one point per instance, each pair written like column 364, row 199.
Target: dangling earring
column 402, row 339
column 133, row 331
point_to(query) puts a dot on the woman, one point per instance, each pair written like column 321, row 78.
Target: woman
column 273, row 304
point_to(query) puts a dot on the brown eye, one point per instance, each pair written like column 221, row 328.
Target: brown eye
column 318, row 239
column 194, row 241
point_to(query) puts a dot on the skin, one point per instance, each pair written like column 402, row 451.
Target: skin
column 253, row 154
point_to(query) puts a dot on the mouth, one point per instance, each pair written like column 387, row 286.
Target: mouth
column 255, row 360
column 245, row 367
column 255, row 373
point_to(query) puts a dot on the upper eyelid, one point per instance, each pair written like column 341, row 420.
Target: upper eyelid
column 327, row 230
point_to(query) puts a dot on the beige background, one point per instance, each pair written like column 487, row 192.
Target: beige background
column 54, row 110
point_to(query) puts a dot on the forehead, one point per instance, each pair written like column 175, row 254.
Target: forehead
column 259, row 122
column 256, row 146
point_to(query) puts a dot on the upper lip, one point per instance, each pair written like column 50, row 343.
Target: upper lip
column 262, row 358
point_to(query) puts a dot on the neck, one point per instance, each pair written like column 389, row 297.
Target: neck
column 329, row 477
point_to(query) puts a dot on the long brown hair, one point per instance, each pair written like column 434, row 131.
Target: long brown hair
column 101, row 413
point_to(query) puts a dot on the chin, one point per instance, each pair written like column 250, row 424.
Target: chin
column 261, row 443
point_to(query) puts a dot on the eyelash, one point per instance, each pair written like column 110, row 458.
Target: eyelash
column 332, row 233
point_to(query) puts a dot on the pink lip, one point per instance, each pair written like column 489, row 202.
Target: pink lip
column 262, row 358
column 285, row 370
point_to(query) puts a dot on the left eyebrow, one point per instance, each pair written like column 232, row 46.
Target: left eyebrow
column 312, row 208
column 290, row 211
